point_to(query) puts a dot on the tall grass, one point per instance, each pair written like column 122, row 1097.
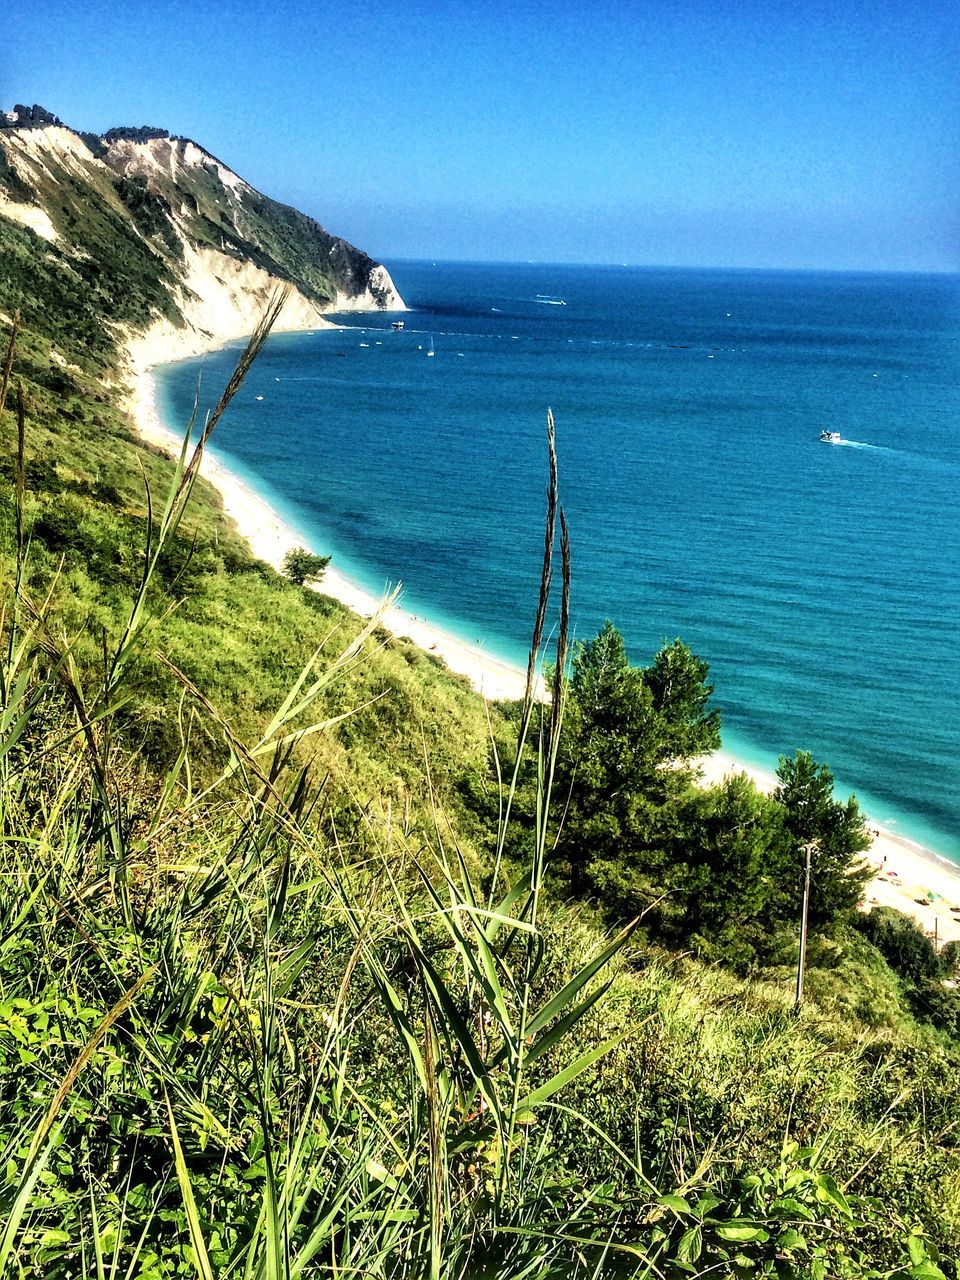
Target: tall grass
column 179, row 908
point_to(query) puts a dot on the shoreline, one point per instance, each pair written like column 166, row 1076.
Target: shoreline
column 270, row 538
column 905, row 870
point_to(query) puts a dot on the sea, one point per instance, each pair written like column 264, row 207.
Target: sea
column 820, row 581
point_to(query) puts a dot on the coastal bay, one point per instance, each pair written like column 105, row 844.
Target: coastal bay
column 814, row 579
column 270, row 537
column 909, row 876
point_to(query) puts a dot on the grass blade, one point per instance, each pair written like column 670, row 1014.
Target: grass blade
column 201, row 1259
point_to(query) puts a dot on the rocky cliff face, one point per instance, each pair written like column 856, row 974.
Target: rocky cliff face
column 160, row 237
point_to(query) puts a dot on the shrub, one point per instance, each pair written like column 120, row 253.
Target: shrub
column 302, row 566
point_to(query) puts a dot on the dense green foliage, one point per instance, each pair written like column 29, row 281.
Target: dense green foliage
column 835, row 832
column 623, row 767
column 234, row 627
column 924, row 970
column 62, row 295
column 717, row 868
column 101, row 272
column 284, row 1055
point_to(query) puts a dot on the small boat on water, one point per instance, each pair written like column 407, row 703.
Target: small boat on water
column 397, row 326
column 830, row 437
column 431, row 352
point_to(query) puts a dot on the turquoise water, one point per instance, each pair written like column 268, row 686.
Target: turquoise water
column 820, row 581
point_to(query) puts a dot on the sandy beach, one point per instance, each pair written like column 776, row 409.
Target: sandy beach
column 908, row 877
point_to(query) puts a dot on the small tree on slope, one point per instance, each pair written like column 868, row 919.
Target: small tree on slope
column 301, row 566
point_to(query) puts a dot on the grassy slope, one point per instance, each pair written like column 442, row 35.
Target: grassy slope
column 239, row 630
column 714, row 1071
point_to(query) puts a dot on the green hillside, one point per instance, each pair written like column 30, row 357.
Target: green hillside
column 313, row 964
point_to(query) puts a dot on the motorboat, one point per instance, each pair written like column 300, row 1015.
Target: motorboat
column 830, row 437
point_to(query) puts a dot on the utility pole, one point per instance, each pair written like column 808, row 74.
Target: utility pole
column 808, row 854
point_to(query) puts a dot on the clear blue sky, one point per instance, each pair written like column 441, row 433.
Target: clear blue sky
column 687, row 132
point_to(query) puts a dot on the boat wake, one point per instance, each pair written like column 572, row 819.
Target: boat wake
column 834, row 438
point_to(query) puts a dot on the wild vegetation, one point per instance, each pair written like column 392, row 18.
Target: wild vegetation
column 311, row 963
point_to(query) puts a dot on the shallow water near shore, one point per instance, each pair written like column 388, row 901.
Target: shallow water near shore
column 819, row 581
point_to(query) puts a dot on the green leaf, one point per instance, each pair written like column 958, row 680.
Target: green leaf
column 479, row 958
column 380, row 1173
column 567, row 994
column 788, row 1207
column 291, row 968
column 569, row 1073
column 791, row 1241
column 562, row 1027
column 456, row 1026
column 200, row 1257
column 691, row 1245
column 916, row 1249
column 677, row 1203
column 926, row 1270
column 743, row 1232
column 505, row 909
column 829, row 1193
column 481, row 913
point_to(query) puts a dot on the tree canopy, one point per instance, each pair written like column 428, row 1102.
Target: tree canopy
column 837, row 832
column 717, row 868
column 301, row 566
column 624, row 765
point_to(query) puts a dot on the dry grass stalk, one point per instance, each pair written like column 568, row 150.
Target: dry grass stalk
column 252, row 351
column 21, row 476
column 547, row 571
column 556, row 711
column 8, row 362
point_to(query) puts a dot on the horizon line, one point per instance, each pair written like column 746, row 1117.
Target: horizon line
column 430, row 260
